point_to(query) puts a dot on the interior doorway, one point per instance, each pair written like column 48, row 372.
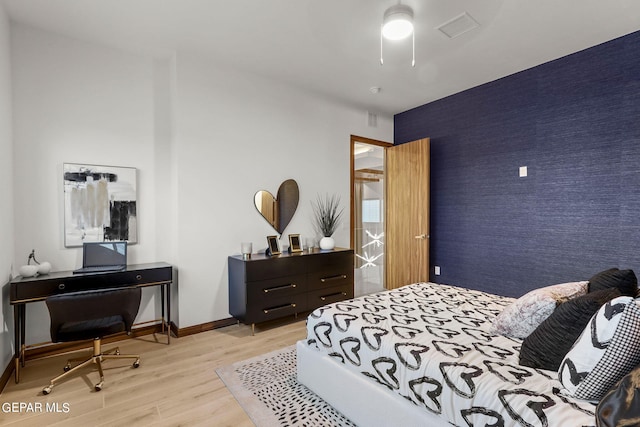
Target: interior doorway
column 368, row 213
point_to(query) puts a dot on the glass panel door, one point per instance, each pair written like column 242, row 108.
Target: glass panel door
column 368, row 216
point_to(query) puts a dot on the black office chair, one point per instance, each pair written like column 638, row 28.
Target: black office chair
column 93, row 315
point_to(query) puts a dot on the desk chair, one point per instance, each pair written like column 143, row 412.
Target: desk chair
column 93, row 315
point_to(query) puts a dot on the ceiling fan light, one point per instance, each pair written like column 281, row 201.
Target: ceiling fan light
column 398, row 22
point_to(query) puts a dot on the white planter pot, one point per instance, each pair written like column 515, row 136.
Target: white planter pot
column 327, row 243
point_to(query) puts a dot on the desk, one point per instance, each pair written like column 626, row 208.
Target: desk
column 31, row 289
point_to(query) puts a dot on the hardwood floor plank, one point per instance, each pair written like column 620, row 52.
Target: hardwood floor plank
column 175, row 384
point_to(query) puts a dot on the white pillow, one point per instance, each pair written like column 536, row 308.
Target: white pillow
column 607, row 350
column 523, row 316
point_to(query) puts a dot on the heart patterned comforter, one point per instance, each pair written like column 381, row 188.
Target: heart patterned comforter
column 430, row 344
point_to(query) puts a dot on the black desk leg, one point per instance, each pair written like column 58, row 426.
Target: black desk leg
column 23, row 332
column 162, row 294
column 166, row 321
column 18, row 338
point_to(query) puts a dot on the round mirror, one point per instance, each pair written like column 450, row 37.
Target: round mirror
column 278, row 211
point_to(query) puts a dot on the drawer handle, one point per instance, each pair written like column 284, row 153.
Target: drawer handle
column 282, row 307
column 329, row 279
column 279, row 288
column 138, row 277
column 324, row 298
column 61, row 286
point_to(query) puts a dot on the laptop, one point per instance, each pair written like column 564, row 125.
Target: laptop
column 98, row 257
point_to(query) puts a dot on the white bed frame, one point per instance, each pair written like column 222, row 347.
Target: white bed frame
column 357, row 397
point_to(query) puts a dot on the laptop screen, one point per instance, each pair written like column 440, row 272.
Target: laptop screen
column 104, row 253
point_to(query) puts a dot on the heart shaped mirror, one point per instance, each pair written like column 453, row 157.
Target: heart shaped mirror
column 278, row 211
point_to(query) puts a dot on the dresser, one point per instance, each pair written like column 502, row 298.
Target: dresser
column 265, row 288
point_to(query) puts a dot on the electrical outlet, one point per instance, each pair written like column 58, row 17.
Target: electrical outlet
column 436, row 270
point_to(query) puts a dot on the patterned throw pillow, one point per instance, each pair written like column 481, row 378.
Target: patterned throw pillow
column 607, row 350
column 551, row 341
column 524, row 315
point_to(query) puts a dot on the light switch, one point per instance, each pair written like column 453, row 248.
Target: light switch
column 523, row 171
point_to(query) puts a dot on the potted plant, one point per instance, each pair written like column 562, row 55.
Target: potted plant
column 327, row 213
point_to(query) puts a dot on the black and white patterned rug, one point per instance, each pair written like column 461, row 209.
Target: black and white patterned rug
column 266, row 387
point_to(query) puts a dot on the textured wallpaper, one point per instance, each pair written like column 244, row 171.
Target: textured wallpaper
column 575, row 123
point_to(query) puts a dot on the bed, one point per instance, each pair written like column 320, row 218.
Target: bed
column 424, row 355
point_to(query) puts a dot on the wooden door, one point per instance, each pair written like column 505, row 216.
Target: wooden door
column 407, row 213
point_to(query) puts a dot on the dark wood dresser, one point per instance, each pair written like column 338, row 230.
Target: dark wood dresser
column 264, row 288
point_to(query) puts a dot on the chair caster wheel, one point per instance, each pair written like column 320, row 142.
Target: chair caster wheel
column 67, row 368
column 136, row 364
column 46, row 390
column 98, row 386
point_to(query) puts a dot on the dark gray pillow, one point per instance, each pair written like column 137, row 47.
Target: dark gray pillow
column 625, row 280
column 551, row 341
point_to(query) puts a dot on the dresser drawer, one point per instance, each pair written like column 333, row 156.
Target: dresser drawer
column 276, row 307
column 330, row 278
column 280, row 286
column 319, row 297
column 273, row 268
column 332, row 261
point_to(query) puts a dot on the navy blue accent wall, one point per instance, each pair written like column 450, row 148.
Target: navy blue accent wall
column 575, row 123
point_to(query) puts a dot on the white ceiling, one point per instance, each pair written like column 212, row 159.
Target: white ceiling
column 332, row 47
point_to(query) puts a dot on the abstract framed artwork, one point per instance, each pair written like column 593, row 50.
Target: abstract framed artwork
column 100, row 204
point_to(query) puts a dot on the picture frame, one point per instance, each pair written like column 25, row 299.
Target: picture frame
column 295, row 245
column 273, row 245
column 100, row 203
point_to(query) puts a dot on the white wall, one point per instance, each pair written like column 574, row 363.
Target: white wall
column 6, row 192
column 81, row 103
column 237, row 134
column 204, row 140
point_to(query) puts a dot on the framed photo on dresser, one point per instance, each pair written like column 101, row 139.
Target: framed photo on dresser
column 273, row 245
column 294, row 243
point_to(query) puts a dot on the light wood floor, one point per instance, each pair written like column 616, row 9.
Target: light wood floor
column 175, row 384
